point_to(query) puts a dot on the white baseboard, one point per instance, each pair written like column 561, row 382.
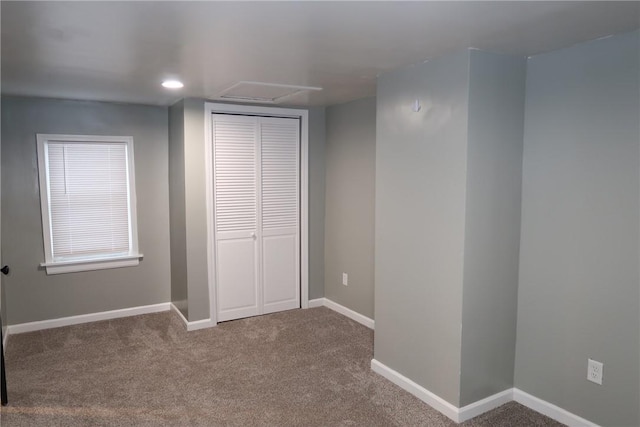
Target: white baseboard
column 193, row 326
column 318, row 302
column 550, row 410
column 86, row 318
column 363, row 320
column 326, row 302
column 484, row 405
column 480, row 407
column 416, row 389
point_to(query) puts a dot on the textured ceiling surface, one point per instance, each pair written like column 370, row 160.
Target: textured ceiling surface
column 121, row 51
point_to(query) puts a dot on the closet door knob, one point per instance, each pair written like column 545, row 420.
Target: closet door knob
column 4, row 270
column 253, row 236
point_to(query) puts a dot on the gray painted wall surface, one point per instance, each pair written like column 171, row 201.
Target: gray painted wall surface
column 350, row 204
column 3, row 299
column 32, row 294
column 196, row 210
column 579, row 280
column 177, row 209
column 419, row 214
column 3, row 309
column 316, row 201
column 492, row 228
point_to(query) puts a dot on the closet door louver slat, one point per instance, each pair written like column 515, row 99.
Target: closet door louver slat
column 235, row 175
column 279, row 142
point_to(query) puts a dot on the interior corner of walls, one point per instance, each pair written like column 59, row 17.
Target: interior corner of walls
column 492, row 202
column 316, row 302
column 350, row 203
column 486, row 404
column 316, row 292
column 181, row 306
column 179, row 104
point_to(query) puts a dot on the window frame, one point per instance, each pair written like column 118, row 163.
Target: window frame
column 53, row 266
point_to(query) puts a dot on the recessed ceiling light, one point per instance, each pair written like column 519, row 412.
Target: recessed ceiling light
column 172, row 84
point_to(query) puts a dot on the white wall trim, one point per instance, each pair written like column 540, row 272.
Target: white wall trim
column 550, row 410
column 417, row 390
column 193, row 326
column 481, row 406
column 318, row 302
column 304, row 208
column 211, row 257
column 484, row 405
column 303, row 115
column 363, row 320
column 86, row 318
column 103, row 261
column 326, row 302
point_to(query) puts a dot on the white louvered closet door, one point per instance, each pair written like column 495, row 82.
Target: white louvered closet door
column 257, row 230
column 235, row 160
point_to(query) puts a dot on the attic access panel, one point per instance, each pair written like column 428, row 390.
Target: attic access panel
column 268, row 93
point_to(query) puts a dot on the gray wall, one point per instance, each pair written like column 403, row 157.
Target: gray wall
column 420, row 213
column 177, row 209
column 492, row 228
column 350, row 204
column 579, row 280
column 196, row 210
column 187, row 189
column 317, row 138
column 33, row 295
column 3, row 299
column 3, row 308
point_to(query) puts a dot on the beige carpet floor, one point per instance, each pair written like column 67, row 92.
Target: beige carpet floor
column 301, row 367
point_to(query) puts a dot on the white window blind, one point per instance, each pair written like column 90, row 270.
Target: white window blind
column 87, row 203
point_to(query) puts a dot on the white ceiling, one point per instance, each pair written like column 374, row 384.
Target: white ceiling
column 121, row 51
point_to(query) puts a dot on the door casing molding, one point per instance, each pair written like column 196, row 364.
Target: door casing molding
column 254, row 110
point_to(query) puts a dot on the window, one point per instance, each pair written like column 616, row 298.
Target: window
column 88, row 201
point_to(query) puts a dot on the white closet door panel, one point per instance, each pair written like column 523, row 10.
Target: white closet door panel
column 236, row 269
column 279, row 143
column 235, row 175
column 280, row 273
column 280, row 232
column 236, row 187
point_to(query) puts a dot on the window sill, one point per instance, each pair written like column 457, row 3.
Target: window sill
column 61, row 267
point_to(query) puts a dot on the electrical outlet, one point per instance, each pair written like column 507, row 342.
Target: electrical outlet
column 594, row 371
column 345, row 279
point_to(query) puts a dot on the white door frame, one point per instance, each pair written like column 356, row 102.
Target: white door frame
column 253, row 110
